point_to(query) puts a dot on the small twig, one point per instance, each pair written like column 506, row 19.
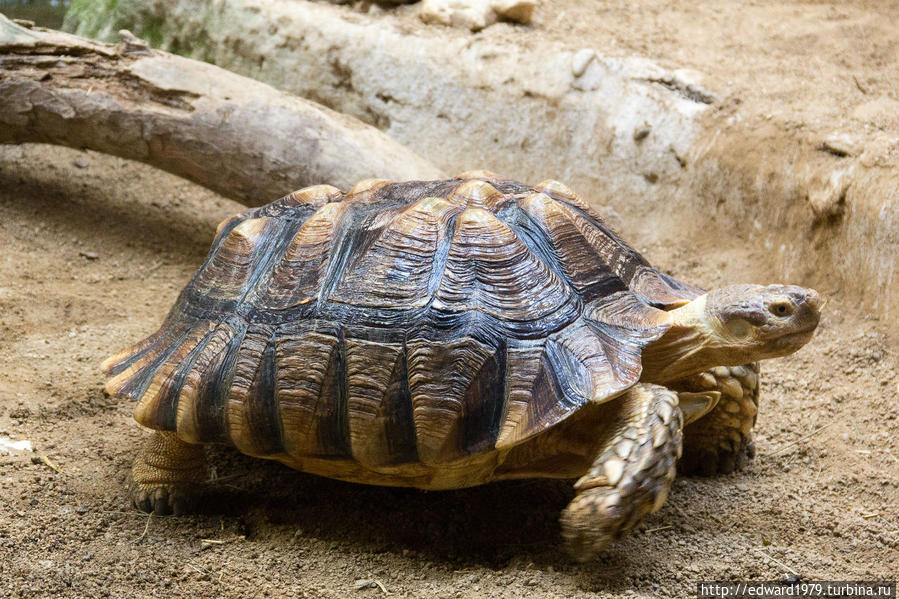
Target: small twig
column 199, row 569
column 46, row 461
column 363, row 583
column 779, row 563
column 223, row 541
column 659, row 528
column 873, row 515
column 859, row 85
column 858, row 433
column 146, row 528
column 799, row 440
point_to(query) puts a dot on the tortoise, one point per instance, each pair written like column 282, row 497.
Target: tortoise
column 445, row 334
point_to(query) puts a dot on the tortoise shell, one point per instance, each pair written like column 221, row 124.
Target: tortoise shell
column 415, row 322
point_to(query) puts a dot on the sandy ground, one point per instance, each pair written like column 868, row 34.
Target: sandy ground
column 94, row 255
column 96, row 249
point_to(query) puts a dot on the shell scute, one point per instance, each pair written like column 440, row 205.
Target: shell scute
column 453, row 389
column 490, row 270
column 395, row 271
column 251, row 411
column 311, row 399
column 478, row 194
column 379, row 407
column 297, row 277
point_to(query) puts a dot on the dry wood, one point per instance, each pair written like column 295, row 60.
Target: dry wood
column 236, row 136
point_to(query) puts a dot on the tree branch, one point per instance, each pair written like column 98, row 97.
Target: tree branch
column 234, row 135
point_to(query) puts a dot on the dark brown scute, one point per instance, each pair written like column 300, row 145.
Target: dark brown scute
column 556, row 231
column 296, row 278
column 379, row 404
column 252, row 412
column 443, row 382
column 311, row 391
column 135, row 372
column 212, row 376
column 395, row 270
column 164, row 410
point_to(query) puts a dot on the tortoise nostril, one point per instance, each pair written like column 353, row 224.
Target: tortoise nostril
column 814, row 300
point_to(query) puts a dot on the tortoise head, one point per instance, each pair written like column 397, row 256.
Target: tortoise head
column 732, row 326
column 761, row 322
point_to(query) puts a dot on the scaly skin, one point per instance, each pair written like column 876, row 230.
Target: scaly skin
column 721, row 441
column 167, row 475
column 631, row 475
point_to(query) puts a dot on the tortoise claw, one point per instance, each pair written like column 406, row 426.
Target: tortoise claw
column 165, row 500
column 730, row 457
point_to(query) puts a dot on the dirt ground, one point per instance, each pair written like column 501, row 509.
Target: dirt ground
column 97, row 248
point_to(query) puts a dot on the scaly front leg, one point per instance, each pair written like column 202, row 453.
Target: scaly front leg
column 632, row 473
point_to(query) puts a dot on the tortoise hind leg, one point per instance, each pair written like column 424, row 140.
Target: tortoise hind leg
column 721, row 441
column 631, row 475
column 167, row 475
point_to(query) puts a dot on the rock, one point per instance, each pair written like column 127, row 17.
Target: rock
column 476, row 14
column 827, row 192
column 587, row 69
column 434, row 92
column 7, row 445
column 473, row 14
column 840, row 144
column 518, row 11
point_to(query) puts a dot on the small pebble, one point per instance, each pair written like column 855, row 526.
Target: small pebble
column 81, row 164
column 641, row 133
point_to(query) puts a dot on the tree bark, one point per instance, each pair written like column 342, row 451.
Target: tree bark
column 234, row 135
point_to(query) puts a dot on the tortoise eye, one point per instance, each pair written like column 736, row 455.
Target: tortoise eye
column 781, row 308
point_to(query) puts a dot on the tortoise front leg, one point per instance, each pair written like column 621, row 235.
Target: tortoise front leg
column 721, row 441
column 631, row 475
column 167, row 475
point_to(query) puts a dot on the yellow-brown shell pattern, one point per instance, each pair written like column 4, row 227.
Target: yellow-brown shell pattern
column 416, row 322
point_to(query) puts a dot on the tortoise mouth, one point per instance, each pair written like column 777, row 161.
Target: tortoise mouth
column 796, row 339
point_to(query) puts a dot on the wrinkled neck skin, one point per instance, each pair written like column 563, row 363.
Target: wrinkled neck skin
column 687, row 347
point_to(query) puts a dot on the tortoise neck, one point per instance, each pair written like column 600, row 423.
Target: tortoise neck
column 684, row 348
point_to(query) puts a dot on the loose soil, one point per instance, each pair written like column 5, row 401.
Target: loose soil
column 97, row 248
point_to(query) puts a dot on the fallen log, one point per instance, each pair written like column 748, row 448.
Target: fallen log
column 236, row 136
